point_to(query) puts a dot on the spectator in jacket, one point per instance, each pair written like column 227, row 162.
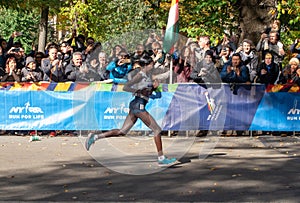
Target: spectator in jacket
column 291, row 73
column 118, row 69
column 12, row 74
column 295, row 48
column 73, row 71
column 235, row 72
column 52, row 66
column 30, row 73
column 249, row 57
column 205, row 71
column 271, row 44
column 268, row 71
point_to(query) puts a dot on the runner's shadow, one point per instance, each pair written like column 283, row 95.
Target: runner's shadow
column 188, row 159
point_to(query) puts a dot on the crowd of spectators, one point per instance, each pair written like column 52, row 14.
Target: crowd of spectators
column 83, row 59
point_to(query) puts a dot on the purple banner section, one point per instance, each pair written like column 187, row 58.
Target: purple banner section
column 218, row 107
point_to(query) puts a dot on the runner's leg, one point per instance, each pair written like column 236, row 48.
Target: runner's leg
column 152, row 124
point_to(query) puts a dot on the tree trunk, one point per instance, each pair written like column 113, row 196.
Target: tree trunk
column 255, row 16
column 43, row 29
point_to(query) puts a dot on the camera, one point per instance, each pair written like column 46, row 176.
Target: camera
column 16, row 50
column 198, row 50
column 60, row 57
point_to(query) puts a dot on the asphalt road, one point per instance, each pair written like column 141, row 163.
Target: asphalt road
column 210, row 169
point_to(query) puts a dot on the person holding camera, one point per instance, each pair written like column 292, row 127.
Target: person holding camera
column 226, row 40
column 161, row 71
column 119, row 69
column 224, row 57
column 92, row 50
column 19, row 54
column 271, row 44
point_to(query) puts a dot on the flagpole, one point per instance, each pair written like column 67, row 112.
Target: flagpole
column 170, row 82
column 171, row 71
column 171, row 36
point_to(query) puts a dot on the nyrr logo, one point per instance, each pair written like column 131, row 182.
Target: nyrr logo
column 27, row 109
column 26, row 112
column 210, row 103
column 293, row 113
column 112, row 113
column 213, row 108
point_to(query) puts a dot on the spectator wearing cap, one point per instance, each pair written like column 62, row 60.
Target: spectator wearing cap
column 30, row 73
column 38, row 60
column 291, row 73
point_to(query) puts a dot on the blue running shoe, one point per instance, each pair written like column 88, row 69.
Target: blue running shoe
column 167, row 162
column 89, row 141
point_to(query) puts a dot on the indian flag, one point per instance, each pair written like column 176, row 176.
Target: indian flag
column 172, row 30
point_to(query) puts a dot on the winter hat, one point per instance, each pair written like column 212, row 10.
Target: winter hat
column 29, row 59
column 295, row 61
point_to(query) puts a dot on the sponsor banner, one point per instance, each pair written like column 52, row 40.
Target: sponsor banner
column 218, row 107
column 111, row 109
column 28, row 110
column 242, row 103
column 278, row 111
column 181, row 107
